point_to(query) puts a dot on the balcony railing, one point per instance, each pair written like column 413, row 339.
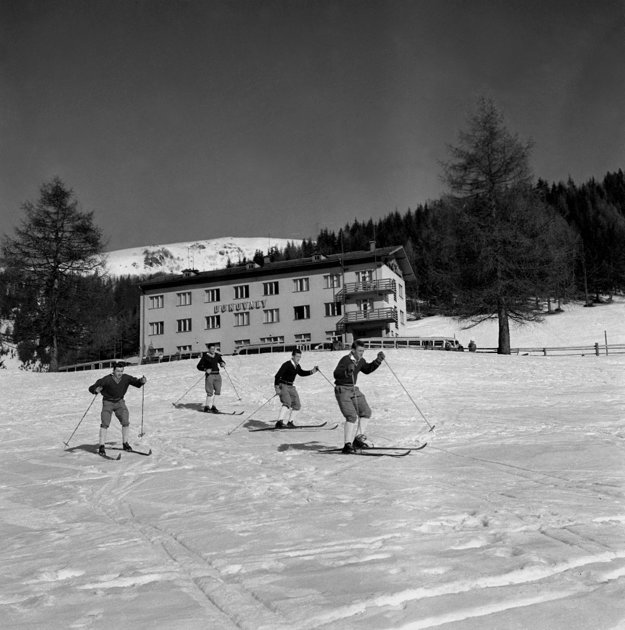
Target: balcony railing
column 352, row 319
column 369, row 287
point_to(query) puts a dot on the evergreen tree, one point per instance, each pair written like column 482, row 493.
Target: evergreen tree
column 502, row 244
column 54, row 244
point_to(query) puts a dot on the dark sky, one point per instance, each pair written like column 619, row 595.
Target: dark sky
column 190, row 119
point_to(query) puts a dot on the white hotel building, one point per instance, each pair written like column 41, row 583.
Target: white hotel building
column 303, row 302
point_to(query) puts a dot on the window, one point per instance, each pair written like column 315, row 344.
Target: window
column 184, row 299
column 184, row 325
column 181, row 349
column 402, row 319
column 365, row 305
column 401, row 290
column 277, row 339
column 242, row 342
column 364, row 276
column 157, row 328
column 213, row 321
column 242, row 319
column 271, row 316
column 302, row 338
column 301, row 284
column 212, row 295
column 271, row 288
column 157, row 301
column 332, row 281
column 242, row 292
column 302, row 312
column 333, row 309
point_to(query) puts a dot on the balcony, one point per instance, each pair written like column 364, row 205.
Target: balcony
column 369, row 288
column 364, row 319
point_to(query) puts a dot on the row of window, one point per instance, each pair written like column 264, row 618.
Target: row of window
column 270, row 316
column 299, row 338
column 242, row 291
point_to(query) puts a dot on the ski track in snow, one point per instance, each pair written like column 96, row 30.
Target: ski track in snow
column 512, row 517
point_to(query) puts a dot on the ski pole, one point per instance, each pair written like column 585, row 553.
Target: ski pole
column 188, row 390
column 324, row 376
column 253, row 412
column 141, row 433
column 409, row 396
column 231, row 383
column 83, row 417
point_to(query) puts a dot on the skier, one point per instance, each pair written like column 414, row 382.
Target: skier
column 210, row 363
column 283, row 384
column 113, row 388
column 352, row 402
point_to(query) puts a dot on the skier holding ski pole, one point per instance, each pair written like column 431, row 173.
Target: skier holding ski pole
column 351, row 400
column 113, row 389
column 284, row 385
column 210, row 363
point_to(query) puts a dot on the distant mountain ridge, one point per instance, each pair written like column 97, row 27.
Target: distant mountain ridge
column 203, row 255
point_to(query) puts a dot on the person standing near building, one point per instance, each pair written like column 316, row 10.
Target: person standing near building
column 210, row 363
column 113, row 388
column 283, row 384
column 352, row 402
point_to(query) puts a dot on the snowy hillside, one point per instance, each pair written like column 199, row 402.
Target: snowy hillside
column 575, row 326
column 203, row 255
column 511, row 518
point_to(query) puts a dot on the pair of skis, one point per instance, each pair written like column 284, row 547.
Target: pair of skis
column 378, row 451
column 217, row 413
column 295, row 428
column 119, row 456
column 226, row 413
column 373, row 451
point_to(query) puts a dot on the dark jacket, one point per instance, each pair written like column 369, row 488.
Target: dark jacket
column 113, row 391
column 210, row 363
column 346, row 372
column 288, row 371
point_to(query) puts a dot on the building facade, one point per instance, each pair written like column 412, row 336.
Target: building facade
column 303, row 302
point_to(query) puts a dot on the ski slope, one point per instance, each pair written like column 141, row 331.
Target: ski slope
column 513, row 516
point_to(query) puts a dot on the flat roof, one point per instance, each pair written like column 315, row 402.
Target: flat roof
column 320, row 261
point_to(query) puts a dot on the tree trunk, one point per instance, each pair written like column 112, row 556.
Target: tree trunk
column 504, row 329
column 54, row 354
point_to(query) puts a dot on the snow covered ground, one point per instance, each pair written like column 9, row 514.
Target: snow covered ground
column 577, row 325
column 513, row 516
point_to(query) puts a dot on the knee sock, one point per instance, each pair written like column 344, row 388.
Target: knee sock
column 362, row 426
column 125, row 434
column 210, row 400
column 349, row 431
column 284, row 412
column 292, row 415
column 102, row 435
